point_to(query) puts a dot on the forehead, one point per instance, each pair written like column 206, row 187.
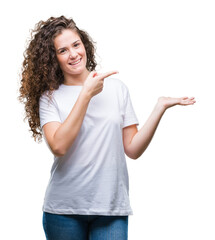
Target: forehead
column 66, row 37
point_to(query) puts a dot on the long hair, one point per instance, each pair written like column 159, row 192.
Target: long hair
column 40, row 69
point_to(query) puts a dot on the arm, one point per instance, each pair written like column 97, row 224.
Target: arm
column 60, row 136
column 135, row 142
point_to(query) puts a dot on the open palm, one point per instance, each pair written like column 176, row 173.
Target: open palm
column 168, row 102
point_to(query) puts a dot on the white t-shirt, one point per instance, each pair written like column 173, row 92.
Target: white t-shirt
column 92, row 177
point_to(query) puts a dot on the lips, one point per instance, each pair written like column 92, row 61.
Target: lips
column 75, row 62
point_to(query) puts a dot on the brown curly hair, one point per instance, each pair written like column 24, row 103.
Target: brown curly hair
column 40, row 69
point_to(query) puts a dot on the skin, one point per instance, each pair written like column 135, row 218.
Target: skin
column 136, row 142
column 69, row 48
column 59, row 136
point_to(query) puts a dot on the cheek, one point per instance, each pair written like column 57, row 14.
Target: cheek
column 83, row 51
column 85, row 56
column 61, row 59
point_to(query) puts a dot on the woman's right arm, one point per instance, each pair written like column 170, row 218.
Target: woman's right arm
column 60, row 136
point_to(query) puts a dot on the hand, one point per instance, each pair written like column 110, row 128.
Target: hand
column 94, row 82
column 167, row 102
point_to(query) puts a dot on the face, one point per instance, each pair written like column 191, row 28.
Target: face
column 71, row 53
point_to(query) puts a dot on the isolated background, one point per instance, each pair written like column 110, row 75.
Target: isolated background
column 160, row 48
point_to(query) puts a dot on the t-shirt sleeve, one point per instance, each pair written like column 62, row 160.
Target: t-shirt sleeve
column 48, row 110
column 129, row 116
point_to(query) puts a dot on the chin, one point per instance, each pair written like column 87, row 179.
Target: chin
column 77, row 72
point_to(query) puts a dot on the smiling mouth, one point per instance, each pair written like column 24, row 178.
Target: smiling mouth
column 75, row 63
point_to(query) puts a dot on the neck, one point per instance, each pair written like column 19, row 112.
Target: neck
column 77, row 79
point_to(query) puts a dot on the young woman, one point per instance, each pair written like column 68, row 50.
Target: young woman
column 89, row 124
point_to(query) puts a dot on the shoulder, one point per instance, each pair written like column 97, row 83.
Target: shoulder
column 51, row 96
column 48, row 98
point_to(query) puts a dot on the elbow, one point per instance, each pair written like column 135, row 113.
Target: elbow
column 58, row 154
column 136, row 154
column 58, row 151
column 135, row 157
column 132, row 155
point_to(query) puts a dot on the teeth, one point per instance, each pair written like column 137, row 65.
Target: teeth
column 75, row 62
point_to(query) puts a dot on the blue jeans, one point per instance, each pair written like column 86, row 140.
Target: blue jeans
column 85, row 227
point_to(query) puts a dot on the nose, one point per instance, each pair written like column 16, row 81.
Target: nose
column 73, row 54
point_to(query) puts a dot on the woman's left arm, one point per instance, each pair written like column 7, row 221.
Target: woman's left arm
column 135, row 142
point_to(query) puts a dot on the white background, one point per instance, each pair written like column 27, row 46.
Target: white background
column 160, row 48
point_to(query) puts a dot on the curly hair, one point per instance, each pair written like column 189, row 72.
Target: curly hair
column 40, row 69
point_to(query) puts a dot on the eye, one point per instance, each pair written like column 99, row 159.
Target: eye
column 76, row 45
column 61, row 51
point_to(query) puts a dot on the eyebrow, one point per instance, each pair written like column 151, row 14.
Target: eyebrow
column 72, row 44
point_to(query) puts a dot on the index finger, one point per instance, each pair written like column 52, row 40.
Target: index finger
column 107, row 74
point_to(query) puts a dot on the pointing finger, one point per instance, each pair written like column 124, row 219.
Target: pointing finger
column 107, row 74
